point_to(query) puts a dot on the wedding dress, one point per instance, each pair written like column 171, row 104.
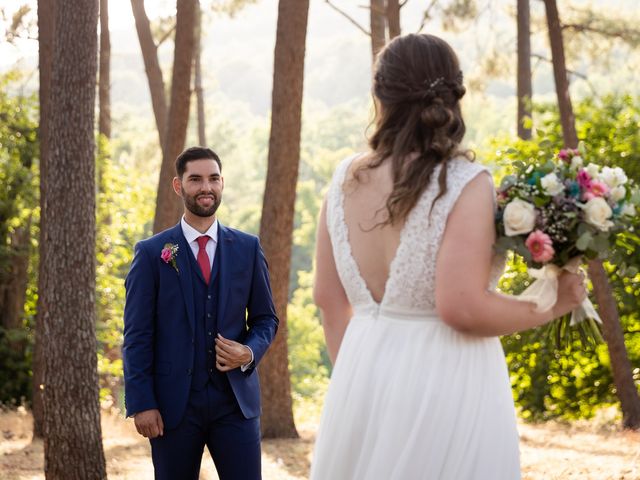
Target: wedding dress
column 410, row 397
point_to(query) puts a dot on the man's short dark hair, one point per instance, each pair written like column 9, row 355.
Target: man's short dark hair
column 195, row 153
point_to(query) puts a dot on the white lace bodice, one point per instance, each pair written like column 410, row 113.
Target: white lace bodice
column 411, row 283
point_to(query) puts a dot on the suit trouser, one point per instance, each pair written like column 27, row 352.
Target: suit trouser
column 233, row 441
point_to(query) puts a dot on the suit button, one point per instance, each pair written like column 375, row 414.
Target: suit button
column 209, row 315
column 193, row 341
column 208, row 297
column 189, row 371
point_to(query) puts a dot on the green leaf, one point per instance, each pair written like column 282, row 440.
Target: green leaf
column 546, row 143
column 583, row 241
column 601, row 243
column 540, row 201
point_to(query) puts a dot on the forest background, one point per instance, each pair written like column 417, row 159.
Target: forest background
column 238, row 39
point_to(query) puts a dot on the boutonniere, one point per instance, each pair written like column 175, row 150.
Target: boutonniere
column 169, row 253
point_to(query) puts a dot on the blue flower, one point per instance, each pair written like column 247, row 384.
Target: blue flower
column 535, row 176
column 574, row 189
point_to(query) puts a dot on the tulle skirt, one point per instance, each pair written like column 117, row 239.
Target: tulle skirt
column 411, row 398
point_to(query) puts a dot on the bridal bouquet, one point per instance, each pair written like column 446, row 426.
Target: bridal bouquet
column 556, row 213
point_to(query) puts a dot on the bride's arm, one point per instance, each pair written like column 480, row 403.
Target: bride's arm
column 463, row 269
column 328, row 293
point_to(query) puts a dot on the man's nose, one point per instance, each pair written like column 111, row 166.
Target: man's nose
column 206, row 186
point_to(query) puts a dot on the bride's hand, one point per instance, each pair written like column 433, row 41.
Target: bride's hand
column 571, row 292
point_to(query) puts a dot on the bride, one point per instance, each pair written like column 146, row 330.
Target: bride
column 405, row 277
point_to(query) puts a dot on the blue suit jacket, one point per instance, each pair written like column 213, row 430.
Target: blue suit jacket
column 159, row 321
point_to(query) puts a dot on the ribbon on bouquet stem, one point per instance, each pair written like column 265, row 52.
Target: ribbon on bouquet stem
column 543, row 292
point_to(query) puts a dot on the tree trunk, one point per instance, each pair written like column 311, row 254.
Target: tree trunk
column 567, row 118
column 378, row 26
column 612, row 329
column 202, row 136
column 104, row 80
column 46, row 28
column 276, row 225
column 393, row 18
column 525, row 90
column 152, row 67
column 168, row 204
column 13, row 292
column 73, row 439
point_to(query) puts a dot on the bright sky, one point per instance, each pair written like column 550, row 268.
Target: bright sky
column 120, row 18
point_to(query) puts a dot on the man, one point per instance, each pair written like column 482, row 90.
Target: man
column 198, row 318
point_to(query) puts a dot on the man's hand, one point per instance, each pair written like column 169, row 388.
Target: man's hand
column 149, row 423
column 230, row 354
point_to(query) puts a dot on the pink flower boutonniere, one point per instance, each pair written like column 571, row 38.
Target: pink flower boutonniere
column 169, row 253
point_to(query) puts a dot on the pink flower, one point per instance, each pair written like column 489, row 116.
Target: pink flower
column 166, row 255
column 540, row 246
column 563, row 155
column 584, row 179
column 598, row 188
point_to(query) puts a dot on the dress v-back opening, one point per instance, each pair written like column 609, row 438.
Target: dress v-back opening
column 377, row 302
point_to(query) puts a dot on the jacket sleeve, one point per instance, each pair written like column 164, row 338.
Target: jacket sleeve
column 139, row 327
column 262, row 321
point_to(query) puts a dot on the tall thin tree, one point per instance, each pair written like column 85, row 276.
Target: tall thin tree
column 46, row 28
column 525, row 89
column 104, row 78
column 612, row 330
column 378, row 25
column 276, row 225
column 393, row 18
column 73, row 440
column 197, row 78
column 152, row 67
column 168, row 204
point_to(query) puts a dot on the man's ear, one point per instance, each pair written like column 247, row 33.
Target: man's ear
column 177, row 186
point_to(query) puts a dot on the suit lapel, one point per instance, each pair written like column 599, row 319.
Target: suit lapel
column 184, row 275
column 224, row 256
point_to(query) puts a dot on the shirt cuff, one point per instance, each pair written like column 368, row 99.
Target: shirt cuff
column 244, row 368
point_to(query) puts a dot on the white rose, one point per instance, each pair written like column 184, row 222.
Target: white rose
column 621, row 177
column 608, row 176
column 628, row 210
column 592, row 169
column 519, row 217
column 576, row 162
column 551, row 184
column 597, row 212
column 618, row 193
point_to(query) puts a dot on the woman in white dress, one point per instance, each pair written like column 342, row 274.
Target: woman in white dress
column 405, row 277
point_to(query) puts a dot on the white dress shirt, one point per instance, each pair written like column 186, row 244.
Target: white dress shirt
column 191, row 234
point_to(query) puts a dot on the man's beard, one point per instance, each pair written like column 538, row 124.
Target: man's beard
column 192, row 204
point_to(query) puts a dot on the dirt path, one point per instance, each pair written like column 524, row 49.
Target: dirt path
column 550, row 451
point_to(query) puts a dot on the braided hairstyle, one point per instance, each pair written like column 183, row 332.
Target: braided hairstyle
column 418, row 124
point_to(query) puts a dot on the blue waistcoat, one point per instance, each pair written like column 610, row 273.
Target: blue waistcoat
column 205, row 300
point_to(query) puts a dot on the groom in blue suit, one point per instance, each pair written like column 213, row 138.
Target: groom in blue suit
column 198, row 318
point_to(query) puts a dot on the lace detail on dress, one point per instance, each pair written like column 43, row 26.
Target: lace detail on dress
column 348, row 271
column 411, row 283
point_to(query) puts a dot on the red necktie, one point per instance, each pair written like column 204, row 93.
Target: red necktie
column 203, row 258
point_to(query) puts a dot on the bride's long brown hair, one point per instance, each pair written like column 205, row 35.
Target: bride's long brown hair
column 418, row 124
